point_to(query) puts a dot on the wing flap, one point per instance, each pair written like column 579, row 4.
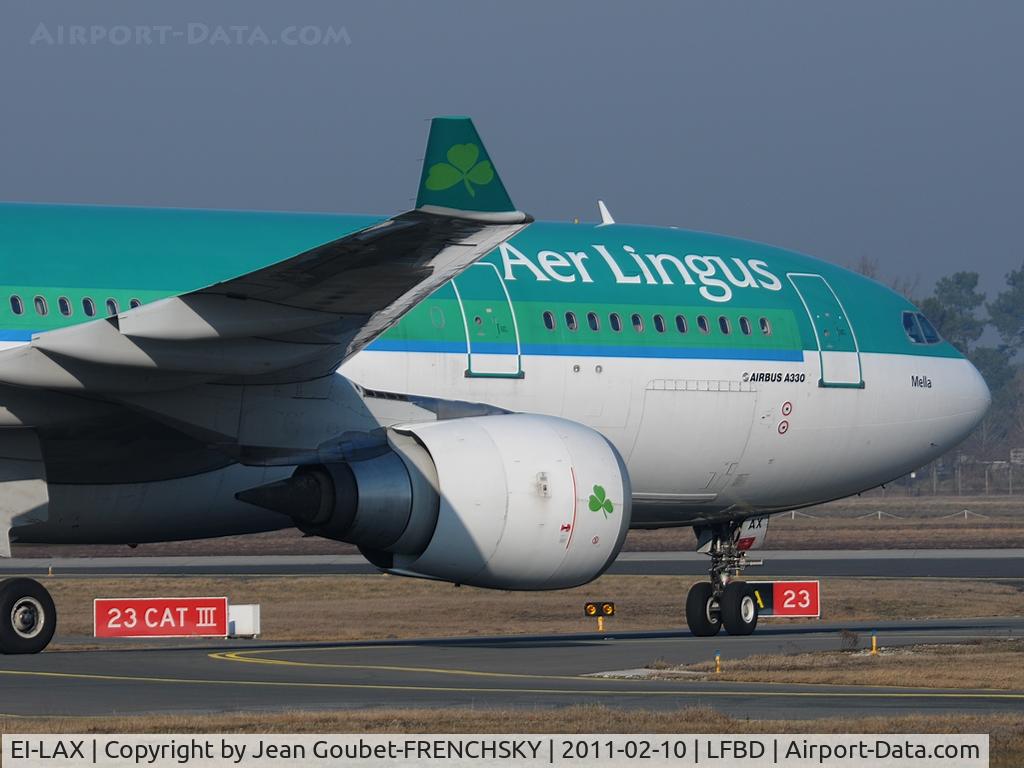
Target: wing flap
column 206, row 316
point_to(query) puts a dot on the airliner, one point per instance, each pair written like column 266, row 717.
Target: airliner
column 460, row 391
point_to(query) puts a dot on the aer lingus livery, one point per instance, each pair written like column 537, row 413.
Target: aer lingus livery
column 462, row 392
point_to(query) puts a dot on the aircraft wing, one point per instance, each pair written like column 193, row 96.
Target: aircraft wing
column 302, row 316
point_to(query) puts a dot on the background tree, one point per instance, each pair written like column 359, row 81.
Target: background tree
column 953, row 309
column 1007, row 313
column 870, row 267
column 994, row 365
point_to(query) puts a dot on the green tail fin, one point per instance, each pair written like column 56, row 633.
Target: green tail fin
column 457, row 171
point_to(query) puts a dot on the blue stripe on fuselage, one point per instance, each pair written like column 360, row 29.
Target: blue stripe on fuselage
column 587, row 350
column 15, row 335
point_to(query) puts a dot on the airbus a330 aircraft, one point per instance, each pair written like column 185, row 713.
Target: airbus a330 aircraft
column 464, row 393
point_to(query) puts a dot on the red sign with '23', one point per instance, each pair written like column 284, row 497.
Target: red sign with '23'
column 794, row 599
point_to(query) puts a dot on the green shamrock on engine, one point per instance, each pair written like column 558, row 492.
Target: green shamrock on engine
column 599, row 502
column 462, row 166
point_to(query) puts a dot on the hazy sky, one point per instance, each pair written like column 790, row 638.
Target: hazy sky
column 890, row 128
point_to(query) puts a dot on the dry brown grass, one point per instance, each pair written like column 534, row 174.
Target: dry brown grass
column 1006, row 730
column 987, row 664
column 300, row 608
column 923, row 524
column 994, row 505
column 845, row 534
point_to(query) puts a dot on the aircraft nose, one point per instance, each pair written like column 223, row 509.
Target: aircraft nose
column 962, row 400
column 974, row 395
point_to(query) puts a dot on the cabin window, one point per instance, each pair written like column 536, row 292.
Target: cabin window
column 549, row 320
column 112, row 307
column 912, row 328
column 64, row 305
column 681, row 324
column 41, row 307
column 135, row 304
column 766, row 327
column 570, row 321
column 593, row 321
column 724, row 325
column 17, row 305
column 89, row 307
column 745, row 327
column 702, row 323
column 615, row 322
column 638, row 323
column 931, row 336
column 659, row 323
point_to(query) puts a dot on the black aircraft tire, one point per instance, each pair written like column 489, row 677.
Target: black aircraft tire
column 701, row 615
column 739, row 609
column 28, row 616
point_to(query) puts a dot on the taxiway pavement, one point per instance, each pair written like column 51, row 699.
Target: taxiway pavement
column 495, row 672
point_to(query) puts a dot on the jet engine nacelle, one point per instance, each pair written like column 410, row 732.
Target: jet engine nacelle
column 512, row 501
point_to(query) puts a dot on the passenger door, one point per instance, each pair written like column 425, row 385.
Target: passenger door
column 838, row 351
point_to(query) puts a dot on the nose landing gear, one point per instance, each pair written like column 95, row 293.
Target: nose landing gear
column 722, row 602
column 28, row 616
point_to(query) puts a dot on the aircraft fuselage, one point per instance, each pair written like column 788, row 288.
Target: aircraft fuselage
column 733, row 377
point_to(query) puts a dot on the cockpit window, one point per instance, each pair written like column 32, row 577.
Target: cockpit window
column 919, row 330
column 931, row 336
column 912, row 328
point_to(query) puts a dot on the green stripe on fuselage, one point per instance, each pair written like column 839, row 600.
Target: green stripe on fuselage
column 440, row 318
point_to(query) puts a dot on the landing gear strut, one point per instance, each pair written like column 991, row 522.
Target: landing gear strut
column 28, row 617
column 722, row 602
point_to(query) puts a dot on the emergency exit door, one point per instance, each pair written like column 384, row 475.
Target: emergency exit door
column 492, row 336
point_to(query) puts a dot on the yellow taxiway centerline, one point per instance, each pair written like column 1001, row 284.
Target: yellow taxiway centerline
column 1014, row 696
column 241, row 657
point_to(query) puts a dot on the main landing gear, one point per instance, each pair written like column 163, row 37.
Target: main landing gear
column 722, row 602
column 27, row 616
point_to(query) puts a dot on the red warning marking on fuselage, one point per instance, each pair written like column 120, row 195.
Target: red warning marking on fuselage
column 575, row 504
column 787, row 408
column 783, row 427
